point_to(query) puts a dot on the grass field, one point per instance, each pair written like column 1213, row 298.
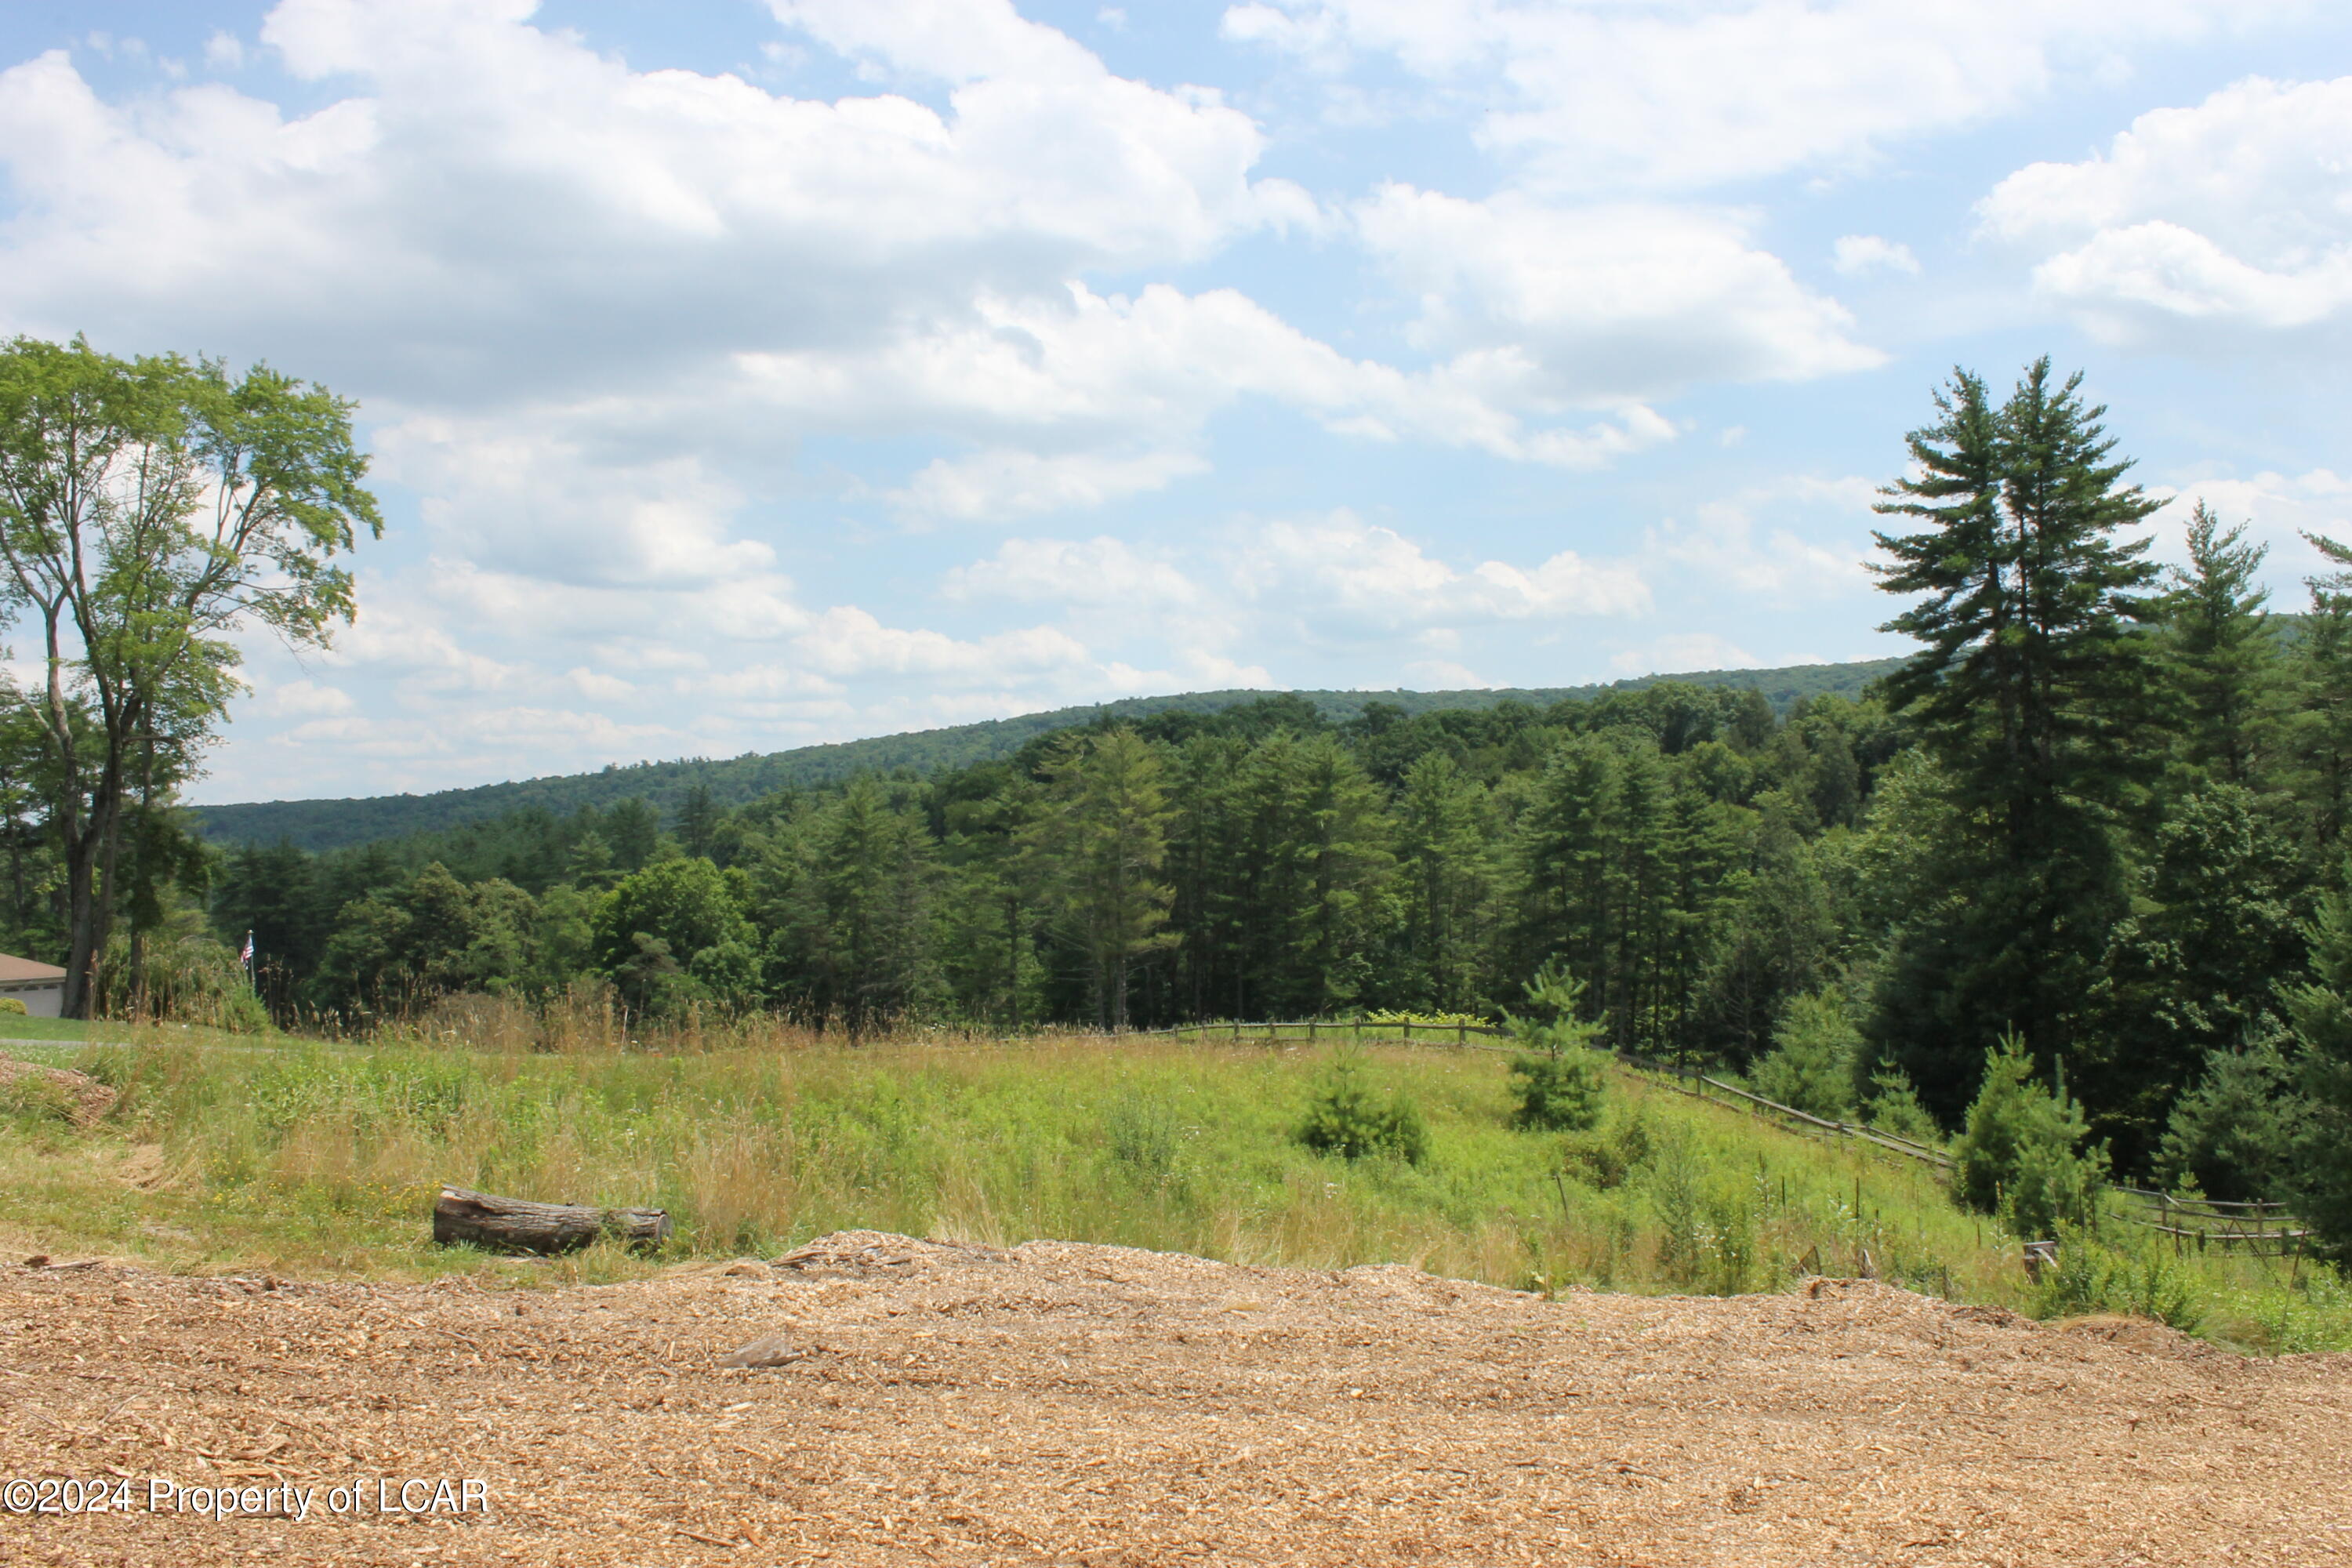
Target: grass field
column 308, row 1158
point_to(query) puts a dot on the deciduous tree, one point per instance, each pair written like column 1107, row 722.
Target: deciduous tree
column 150, row 510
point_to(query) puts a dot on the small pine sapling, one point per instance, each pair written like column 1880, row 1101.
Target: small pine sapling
column 2020, row 1155
column 1344, row 1118
column 1559, row 1076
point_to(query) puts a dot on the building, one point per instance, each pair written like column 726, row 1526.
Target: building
column 41, row 987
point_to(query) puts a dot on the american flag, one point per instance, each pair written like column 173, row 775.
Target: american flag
column 246, row 956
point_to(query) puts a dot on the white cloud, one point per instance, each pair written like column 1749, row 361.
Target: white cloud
column 304, row 700
column 1442, row 675
column 1006, row 482
column 1086, row 398
column 1340, row 574
column 1100, row 571
column 525, row 494
column 598, row 686
column 658, row 215
column 1684, row 653
column 1595, row 94
column 2234, row 215
column 848, row 643
column 1767, row 541
column 1616, row 303
column 1856, row 253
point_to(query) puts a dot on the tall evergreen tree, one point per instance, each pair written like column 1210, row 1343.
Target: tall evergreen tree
column 846, row 895
column 2219, row 658
column 2217, row 918
column 1566, row 893
column 1103, row 838
column 2033, row 670
column 2320, row 701
column 1445, row 885
column 2321, row 1007
column 1343, row 831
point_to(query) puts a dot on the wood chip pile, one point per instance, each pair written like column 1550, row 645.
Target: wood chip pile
column 78, row 1096
column 929, row 1403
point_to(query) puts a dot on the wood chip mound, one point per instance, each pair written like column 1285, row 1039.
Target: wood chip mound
column 78, row 1096
column 929, row 1402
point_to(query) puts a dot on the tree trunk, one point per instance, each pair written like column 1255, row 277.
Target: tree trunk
column 510, row 1224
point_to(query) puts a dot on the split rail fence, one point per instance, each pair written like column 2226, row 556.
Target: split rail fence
column 2262, row 1230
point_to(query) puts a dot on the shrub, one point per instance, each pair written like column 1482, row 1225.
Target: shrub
column 1558, row 1081
column 2020, row 1155
column 2234, row 1134
column 1895, row 1108
column 1560, row 1093
column 1812, row 1065
column 1604, row 1160
column 1344, row 1119
column 2142, row 1282
column 13, row 1005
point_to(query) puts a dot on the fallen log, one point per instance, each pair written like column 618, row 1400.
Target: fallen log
column 511, row 1224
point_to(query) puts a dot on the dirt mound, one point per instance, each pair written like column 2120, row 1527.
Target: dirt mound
column 929, row 1401
column 70, row 1095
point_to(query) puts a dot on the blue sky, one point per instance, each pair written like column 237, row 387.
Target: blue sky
column 743, row 375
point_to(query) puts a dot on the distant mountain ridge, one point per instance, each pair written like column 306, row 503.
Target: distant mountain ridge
column 318, row 824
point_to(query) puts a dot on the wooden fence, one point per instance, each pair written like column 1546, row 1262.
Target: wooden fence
column 2261, row 1230
column 2264, row 1230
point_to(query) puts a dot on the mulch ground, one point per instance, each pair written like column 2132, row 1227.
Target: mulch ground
column 1091, row 1405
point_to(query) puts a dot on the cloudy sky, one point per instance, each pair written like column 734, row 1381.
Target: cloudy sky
column 741, row 375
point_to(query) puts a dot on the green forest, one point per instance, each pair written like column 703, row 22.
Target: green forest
column 2081, row 854
column 736, row 781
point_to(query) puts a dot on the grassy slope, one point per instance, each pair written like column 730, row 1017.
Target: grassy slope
column 334, row 824
column 325, row 1158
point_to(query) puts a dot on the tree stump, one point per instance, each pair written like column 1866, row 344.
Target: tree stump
column 510, row 1224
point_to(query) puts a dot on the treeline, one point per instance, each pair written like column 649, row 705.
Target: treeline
column 345, row 823
column 1257, row 861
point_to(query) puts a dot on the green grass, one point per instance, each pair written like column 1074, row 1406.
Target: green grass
column 317, row 1158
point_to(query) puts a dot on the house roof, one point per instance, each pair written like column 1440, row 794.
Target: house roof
column 13, row 968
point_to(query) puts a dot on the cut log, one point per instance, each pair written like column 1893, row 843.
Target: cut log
column 511, row 1224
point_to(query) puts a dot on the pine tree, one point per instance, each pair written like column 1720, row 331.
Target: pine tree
column 1445, row 884
column 1205, row 869
column 2321, row 1008
column 2219, row 655
column 1103, row 842
column 2020, row 1155
column 697, row 821
column 2217, row 918
column 846, row 894
column 2034, row 674
column 1345, row 832
column 2320, row 680
column 1567, row 890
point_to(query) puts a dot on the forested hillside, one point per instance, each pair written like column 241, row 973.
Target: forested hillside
column 340, row 824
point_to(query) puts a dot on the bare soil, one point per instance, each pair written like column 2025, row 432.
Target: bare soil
column 935, row 1403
